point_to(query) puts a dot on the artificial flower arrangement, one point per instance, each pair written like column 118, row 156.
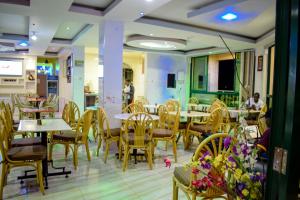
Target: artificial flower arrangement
column 232, row 172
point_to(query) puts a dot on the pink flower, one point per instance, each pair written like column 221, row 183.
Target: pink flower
column 168, row 162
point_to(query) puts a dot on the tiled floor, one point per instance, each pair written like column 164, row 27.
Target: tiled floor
column 96, row 180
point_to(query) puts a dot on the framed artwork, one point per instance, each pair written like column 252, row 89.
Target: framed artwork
column 260, row 63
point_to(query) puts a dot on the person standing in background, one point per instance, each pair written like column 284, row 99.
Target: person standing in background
column 128, row 92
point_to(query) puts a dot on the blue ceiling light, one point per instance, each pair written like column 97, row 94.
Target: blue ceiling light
column 229, row 16
column 23, row 43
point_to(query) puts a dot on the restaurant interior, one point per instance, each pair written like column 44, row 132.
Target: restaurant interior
column 149, row 99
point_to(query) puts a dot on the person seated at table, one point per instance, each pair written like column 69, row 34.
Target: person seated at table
column 254, row 102
column 264, row 141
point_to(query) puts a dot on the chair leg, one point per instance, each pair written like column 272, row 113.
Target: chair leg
column 166, row 146
column 126, row 155
column 66, row 150
column 88, row 154
column 175, row 190
column 3, row 175
column 75, row 156
column 175, row 149
column 120, row 149
column 40, row 177
column 106, row 150
column 99, row 145
column 149, row 152
column 51, row 151
column 187, row 141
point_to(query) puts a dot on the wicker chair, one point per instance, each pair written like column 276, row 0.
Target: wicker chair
column 133, row 108
column 107, row 134
column 167, row 129
column 75, row 137
column 137, row 135
column 27, row 156
column 211, row 125
column 182, row 177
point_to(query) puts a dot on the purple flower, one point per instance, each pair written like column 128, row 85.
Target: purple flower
column 234, row 149
column 231, row 159
column 241, row 186
column 245, row 150
column 227, row 142
column 206, row 165
column 202, row 158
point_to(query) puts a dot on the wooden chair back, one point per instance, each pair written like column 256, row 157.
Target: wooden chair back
column 74, row 112
column 133, row 108
column 140, row 125
column 173, row 105
column 84, row 124
column 167, row 120
column 103, row 123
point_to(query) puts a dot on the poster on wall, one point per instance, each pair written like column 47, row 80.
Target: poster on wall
column 11, row 67
column 260, row 63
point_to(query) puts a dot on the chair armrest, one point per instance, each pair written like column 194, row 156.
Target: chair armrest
column 261, row 147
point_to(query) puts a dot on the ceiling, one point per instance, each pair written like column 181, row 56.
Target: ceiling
column 99, row 4
column 59, row 24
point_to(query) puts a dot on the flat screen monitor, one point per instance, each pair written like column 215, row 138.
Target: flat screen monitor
column 11, row 67
column 171, row 82
column 226, row 75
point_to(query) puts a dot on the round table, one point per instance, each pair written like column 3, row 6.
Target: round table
column 191, row 114
column 125, row 116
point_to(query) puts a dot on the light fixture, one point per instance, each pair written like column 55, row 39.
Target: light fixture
column 210, row 52
column 149, row 0
column 142, row 14
column 33, row 36
column 157, row 45
column 151, row 34
column 23, row 43
column 229, row 16
column 68, row 28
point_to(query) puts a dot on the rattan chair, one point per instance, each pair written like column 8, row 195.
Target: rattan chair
column 133, row 108
column 212, row 125
column 167, row 128
column 107, row 134
column 183, row 178
column 137, row 135
column 27, row 156
column 76, row 137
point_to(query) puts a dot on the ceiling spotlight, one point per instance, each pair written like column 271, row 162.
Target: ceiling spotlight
column 142, row 14
column 229, row 16
column 23, row 43
column 210, row 52
column 33, row 36
column 151, row 34
column 149, row 0
column 68, row 28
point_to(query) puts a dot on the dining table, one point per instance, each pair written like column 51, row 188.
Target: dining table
column 35, row 100
column 37, row 111
column 44, row 127
column 150, row 107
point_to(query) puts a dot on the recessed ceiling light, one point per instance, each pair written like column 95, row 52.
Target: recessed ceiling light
column 142, row 13
column 33, row 36
column 24, row 44
column 210, row 52
column 151, row 34
column 149, row 0
column 68, row 28
column 229, row 16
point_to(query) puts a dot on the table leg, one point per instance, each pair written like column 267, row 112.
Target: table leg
column 45, row 161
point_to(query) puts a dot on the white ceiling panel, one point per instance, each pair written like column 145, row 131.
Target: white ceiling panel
column 68, row 30
column 14, row 24
column 102, row 4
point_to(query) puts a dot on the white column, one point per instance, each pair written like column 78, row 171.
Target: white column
column 78, row 76
column 111, row 54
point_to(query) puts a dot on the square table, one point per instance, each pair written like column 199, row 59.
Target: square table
column 47, row 125
column 37, row 111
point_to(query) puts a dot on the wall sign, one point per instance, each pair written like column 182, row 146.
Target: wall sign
column 260, row 63
column 79, row 63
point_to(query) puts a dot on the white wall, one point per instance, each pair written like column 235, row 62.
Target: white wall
column 158, row 66
column 92, row 71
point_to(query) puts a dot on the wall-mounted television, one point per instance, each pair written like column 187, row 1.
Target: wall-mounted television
column 9, row 67
column 171, row 82
column 226, row 75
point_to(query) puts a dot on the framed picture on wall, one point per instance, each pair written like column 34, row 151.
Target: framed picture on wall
column 260, row 63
